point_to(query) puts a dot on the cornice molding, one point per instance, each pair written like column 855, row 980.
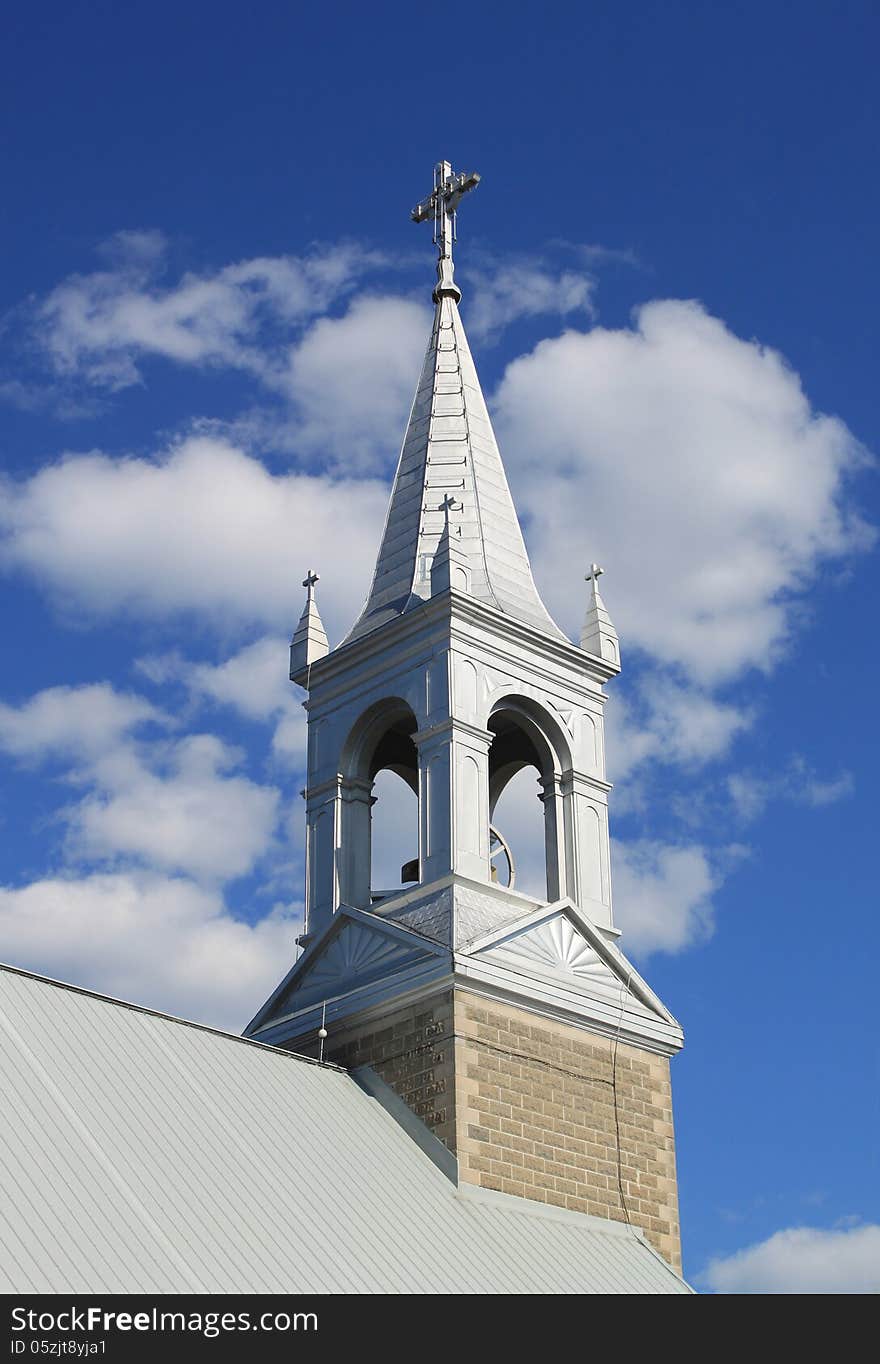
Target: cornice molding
column 446, row 610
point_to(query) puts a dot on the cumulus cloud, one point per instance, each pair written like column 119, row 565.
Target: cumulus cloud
column 254, row 682
column 160, row 941
column 73, row 721
column 802, row 1260
column 99, row 326
column 184, row 812
column 691, row 464
column 175, row 804
column 259, row 316
column 352, row 381
column 720, row 490
column 204, row 528
column 663, row 895
column 667, row 721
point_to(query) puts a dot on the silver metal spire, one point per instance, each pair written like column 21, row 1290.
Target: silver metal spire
column 450, row 461
column 441, row 205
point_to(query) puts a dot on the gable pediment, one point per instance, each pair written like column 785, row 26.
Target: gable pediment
column 358, row 949
column 358, row 953
column 558, row 945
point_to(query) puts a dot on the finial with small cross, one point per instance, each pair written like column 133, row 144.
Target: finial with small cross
column 594, row 575
column 441, row 205
column 309, row 583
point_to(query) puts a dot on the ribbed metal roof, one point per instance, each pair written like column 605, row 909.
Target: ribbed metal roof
column 139, row 1153
column 450, row 449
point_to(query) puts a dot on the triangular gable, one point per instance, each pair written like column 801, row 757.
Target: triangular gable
column 559, row 942
column 356, row 948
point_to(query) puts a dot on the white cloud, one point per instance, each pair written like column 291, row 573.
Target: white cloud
column 666, row 721
column 172, row 804
column 818, row 792
column 352, row 381
column 720, row 490
column 663, row 895
column 802, row 1260
column 752, row 792
column 254, row 681
column 691, row 464
column 99, row 326
column 514, row 288
column 160, row 941
column 185, row 812
column 203, row 529
column 72, row 721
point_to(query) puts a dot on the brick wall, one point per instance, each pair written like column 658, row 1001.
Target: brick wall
column 412, row 1050
column 536, row 1116
column 533, row 1107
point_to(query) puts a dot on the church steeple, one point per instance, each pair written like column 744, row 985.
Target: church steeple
column 450, row 449
column 511, row 1024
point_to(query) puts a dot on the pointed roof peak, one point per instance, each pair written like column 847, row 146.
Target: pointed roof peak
column 450, row 450
column 450, row 458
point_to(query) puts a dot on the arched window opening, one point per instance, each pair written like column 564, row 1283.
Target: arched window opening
column 519, row 759
column 518, row 822
column 394, row 822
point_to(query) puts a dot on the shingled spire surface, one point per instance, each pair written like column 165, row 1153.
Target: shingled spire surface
column 450, row 450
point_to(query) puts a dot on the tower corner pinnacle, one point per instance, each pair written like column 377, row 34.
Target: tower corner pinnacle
column 310, row 640
column 598, row 635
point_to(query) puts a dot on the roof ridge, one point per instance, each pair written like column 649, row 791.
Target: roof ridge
column 170, row 1018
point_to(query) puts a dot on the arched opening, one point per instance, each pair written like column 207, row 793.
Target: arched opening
column 381, row 768
column 394, row 835
column 517, row 824
column 524, row 761
column 394, row 819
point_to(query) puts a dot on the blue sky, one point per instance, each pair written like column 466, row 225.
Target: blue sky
column 214, row 310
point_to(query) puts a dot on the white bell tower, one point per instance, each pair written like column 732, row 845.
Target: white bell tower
column 455, row 677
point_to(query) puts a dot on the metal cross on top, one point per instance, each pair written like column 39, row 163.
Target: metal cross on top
column 441, row 205
column 593, row 575
column 309, row 582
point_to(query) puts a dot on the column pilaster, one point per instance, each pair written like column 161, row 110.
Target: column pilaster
column 453, row 800
column 587, row 847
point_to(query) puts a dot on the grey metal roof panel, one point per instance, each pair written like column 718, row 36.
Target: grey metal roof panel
column 142, row 1153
